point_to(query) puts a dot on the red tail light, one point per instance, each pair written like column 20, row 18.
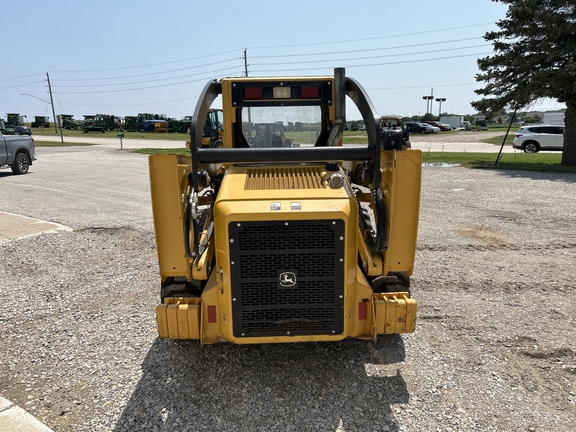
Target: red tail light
column 253, row 93
column 310, row 92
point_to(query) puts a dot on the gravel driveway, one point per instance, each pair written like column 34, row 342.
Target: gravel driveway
column 494, row 347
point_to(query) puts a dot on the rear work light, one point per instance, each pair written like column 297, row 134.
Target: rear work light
column 281, row 92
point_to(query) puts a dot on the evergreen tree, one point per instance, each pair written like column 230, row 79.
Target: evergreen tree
column 534, row 58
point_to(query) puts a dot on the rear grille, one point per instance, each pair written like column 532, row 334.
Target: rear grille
column 287, row 277
column 284, row 178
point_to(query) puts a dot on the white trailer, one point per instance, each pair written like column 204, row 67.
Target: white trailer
column 556, row 118
column 456, row 122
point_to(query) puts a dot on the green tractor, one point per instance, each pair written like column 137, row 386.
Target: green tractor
column 40, row 122
column 68, row 122
column 93, row 123
column 131, row 124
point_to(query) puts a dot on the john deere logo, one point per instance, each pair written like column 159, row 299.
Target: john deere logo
column 287, row 279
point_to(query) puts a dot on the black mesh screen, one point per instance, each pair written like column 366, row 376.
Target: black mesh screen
column 287, row 277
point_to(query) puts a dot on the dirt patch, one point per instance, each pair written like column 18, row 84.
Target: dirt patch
column 462, row 136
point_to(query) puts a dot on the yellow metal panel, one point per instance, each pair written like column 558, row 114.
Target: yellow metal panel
column 179, row 318
column 402, row 186
column 395, row 313
column 210, row 332
column 162, row 320
column 194, row 321
column 330, row 204
column 236, row 179
column 410, row 315
column 172, row 316
column 167, row 182
column 380, row 310
column 182, row 314
column 400, row 315
column 390, row 316
column 360, row 292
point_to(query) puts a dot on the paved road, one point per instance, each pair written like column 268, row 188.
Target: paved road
column 99, row 187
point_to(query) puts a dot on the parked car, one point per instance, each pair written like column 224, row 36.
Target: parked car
column 532, row 139
column 432, row 128
column 22, row 130
column 417, row 128
column 442, row 126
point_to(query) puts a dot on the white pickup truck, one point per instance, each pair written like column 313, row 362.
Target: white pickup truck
column 17, row 151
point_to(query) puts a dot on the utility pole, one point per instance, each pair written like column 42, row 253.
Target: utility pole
column 245, row 62
column 53, row 112
column 246, row 75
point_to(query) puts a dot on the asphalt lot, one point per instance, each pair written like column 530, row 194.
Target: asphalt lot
column 82, row 187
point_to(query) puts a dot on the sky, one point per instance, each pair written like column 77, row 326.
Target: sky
column 123, row 58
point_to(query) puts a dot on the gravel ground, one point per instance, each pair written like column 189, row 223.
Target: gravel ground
column 494, row 347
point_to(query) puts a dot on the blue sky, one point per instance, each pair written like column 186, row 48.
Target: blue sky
column 125, row 58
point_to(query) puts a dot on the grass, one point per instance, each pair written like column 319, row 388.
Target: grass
column 545, row 162
column 498, row 139
column 157, row 151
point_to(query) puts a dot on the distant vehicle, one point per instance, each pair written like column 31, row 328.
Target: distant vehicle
column 417, row 128
column 22, row 130
column 442, row 126
column 268, row 135
column 553, row 118
column 455, row 122
column 394, row 133
column 532, row 139
column 17, row 152
column 482, row 124
column 432, row 128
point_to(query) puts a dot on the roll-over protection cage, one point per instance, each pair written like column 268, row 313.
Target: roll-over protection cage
column 343, row 86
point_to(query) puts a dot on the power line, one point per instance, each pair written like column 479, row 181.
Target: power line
column 366, row 58
column 147, row 74
column 193, row 98
column 20, row 77
column 140, row 88
column 148, row 65
column 426, row 86
column 366, row 50
column 20, row 85
column 374, row 64
column 146, row 81
column 373, row 38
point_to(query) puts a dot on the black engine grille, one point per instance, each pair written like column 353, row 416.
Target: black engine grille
column 287, row 277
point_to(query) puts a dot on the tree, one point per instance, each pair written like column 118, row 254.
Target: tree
column 534, row 58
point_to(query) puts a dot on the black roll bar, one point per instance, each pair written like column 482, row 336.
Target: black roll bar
column 370, row 153
column 273, row 155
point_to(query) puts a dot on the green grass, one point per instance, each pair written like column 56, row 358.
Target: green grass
column 547, row 162
column 498, row 139
column 59, row 144
column 156, row 151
